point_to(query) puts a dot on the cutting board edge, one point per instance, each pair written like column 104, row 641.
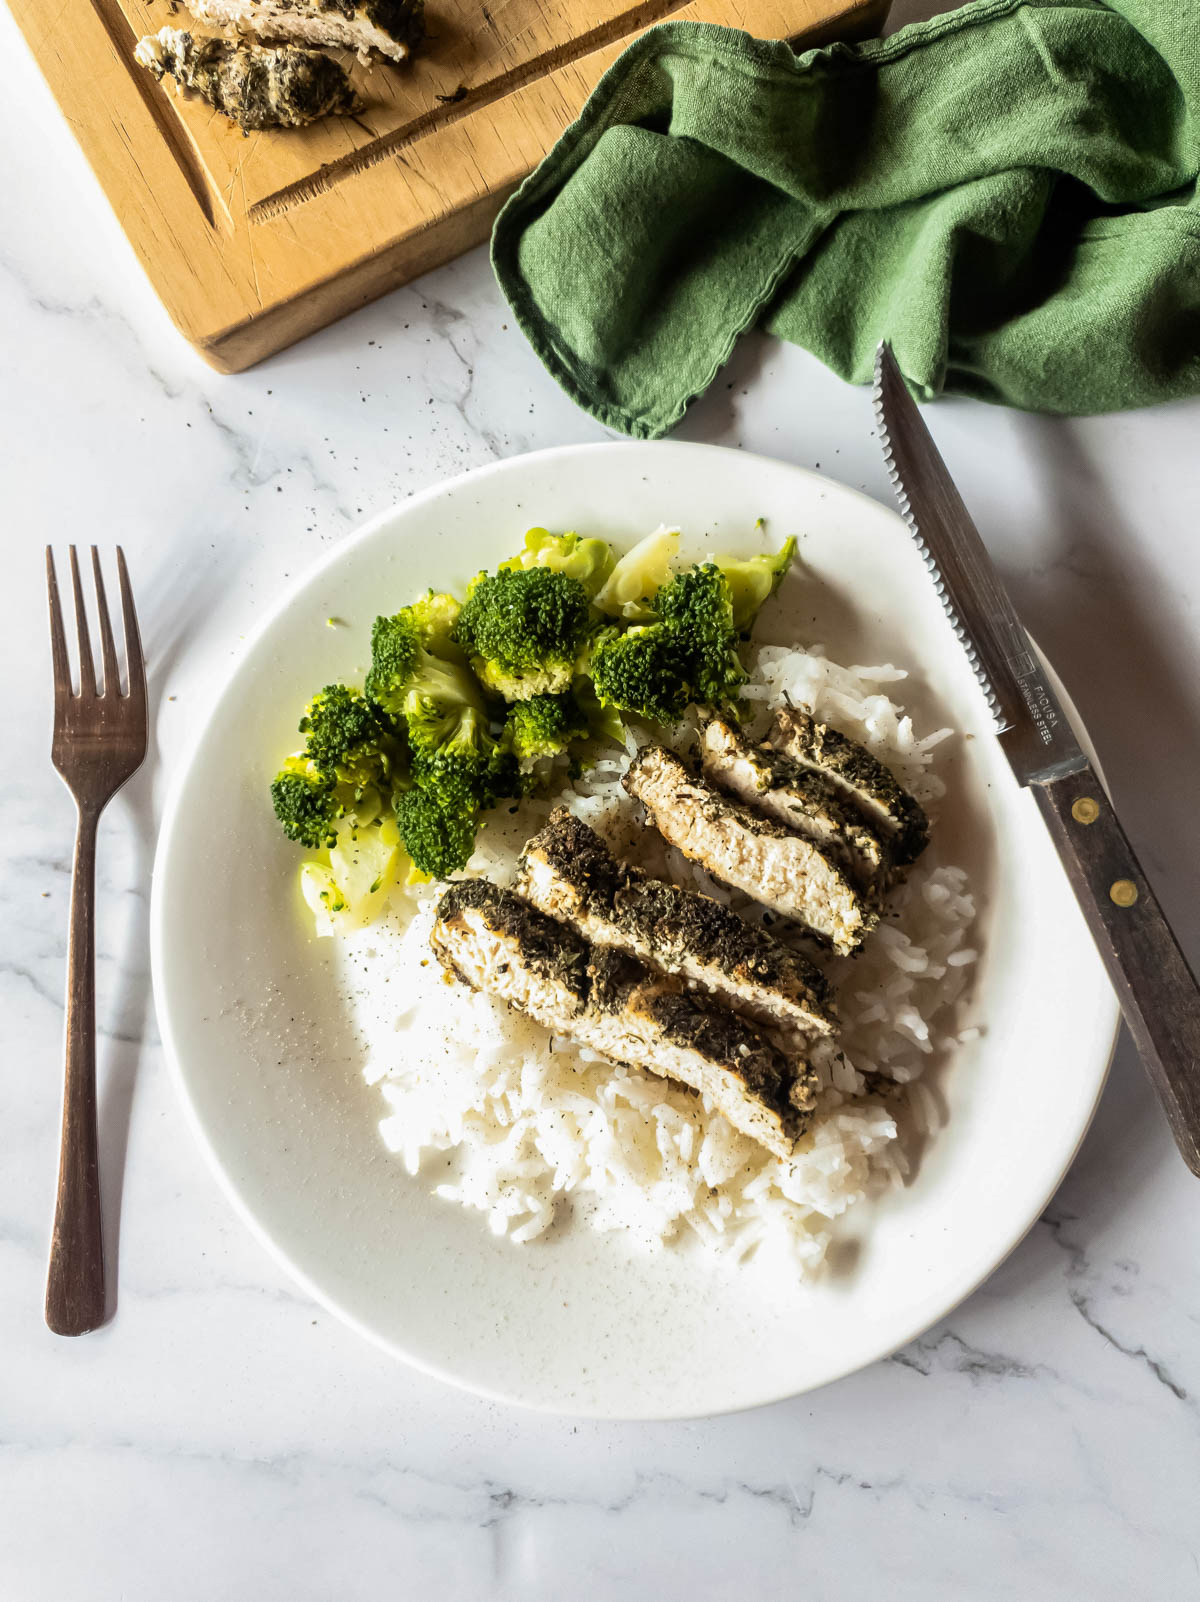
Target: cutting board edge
column 199, row 268
column 320, row 303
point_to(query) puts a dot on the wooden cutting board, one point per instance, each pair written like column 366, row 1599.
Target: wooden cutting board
column 254, row 242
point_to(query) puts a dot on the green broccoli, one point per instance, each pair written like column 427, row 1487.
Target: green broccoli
column 306, row 805
column 434, row 725
column 352, row 758
column 696, row 607
column 349, row 738
column 434, row 615
column 754, row 581
column 463, row 767
column 543, row 726
column 438, row 835
column 452, row 784
column 458, row 770
column 643, row 670
column 421, row 739
column 689, row 653
column 589, row 561
column 525, row 630
column 418, row 673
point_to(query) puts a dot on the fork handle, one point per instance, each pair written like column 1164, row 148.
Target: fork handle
column 75, row 1283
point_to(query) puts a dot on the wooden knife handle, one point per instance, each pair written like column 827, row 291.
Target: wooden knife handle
column 1157, row 990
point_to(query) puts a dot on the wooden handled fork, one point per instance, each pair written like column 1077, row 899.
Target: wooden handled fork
column 99, row 742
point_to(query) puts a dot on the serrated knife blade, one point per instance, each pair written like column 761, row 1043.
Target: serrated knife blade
column 1034, row 732
column 1157, row 990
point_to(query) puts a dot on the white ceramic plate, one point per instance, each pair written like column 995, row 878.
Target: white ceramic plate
column 255, row 1028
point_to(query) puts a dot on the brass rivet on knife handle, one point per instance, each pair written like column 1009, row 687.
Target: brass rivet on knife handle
column 1158, row 991
column 1086, row 809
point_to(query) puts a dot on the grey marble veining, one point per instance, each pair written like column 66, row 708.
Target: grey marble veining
column 225, row 1439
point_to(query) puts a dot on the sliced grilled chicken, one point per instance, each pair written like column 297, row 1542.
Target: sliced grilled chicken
column 392, row 28
column 254, row 87
column 781, row 869
column 568, row 872
column 874, row 789
column 800, row 798
column 604, row 998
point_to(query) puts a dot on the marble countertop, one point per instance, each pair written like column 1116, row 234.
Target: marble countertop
column 224, row 1438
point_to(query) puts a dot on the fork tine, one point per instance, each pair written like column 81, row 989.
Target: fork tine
column 108, row 651
column 87, row 667
column 58, row 640
column 136, row 665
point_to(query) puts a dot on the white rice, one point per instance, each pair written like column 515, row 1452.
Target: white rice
column 536, row 1132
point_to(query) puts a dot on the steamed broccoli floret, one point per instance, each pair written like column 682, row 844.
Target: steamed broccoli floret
column 697, row 609
column 754, row 581
column 438, row 833
column 462, row 767
column 451, row 785
column 402, row 644
column 338, row 721
column 352, row 757
column 348, row 738
column 589, row 561
column 643, row 670
column 419, row 674
column 307, row 807
column 525, row 629
column 543, row 726
column 456, row 774
column 689, row 653
column 434, row 615
column 434, row 725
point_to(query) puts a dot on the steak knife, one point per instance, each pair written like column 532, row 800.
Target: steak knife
column 1156, row 988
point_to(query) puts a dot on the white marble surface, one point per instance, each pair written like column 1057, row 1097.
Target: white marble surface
column 223, row 1438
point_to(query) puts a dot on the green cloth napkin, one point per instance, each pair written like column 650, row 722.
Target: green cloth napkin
column 1007, row 193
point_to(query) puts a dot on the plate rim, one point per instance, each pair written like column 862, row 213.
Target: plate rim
column 172, row 805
